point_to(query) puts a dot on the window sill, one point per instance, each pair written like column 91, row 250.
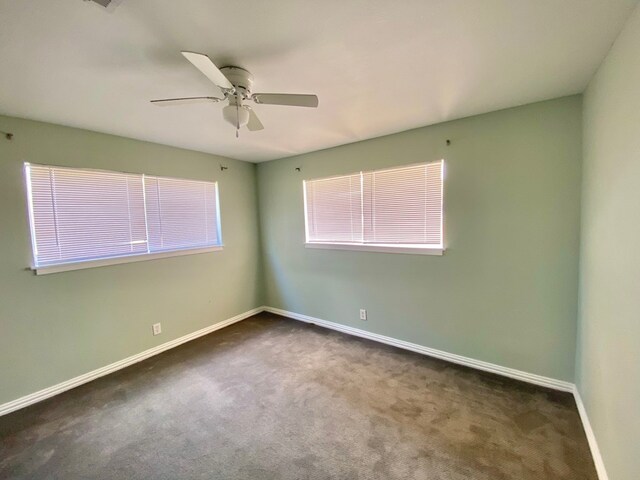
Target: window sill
column 65, row 267
column 378, row 247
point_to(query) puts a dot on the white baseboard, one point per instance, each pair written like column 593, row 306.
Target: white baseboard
column 591, row 438
column 87, row 377
column 432, row 352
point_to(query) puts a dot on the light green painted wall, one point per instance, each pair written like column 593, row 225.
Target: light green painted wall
column 58, row 326
column 608, row 360
column 506, row 289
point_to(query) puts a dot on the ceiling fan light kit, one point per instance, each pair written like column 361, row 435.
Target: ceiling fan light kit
column 236, row 115
column 236, row 85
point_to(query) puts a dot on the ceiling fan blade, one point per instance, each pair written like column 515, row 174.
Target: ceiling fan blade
column 166, row 102
column 208, row 68
column 254, row 122
column 291, row 99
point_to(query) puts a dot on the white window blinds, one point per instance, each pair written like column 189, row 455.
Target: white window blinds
column 80, row 215
column 334, row 209
column 181, row 213
column 392, row 207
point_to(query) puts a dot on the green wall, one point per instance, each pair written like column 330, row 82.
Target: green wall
column 55, row 327
column 504, row 292
column 506, row 289
column 608, row 360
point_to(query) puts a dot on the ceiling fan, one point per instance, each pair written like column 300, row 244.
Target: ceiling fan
column 235, row 83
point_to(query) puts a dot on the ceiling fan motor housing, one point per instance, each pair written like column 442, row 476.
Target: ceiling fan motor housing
column 240, row 78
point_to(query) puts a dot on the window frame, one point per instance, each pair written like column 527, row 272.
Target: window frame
column 402, row 248
column 116, row 259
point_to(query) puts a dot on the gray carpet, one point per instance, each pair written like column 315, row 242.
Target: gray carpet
column 270, row 398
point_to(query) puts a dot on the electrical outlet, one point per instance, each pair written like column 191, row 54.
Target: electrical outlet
column 363, row 314
column 157, row 329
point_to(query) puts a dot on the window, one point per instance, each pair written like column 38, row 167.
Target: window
column 394, row 210
column 82, row 218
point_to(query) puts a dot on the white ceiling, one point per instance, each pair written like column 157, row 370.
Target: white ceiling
column 378, row 66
